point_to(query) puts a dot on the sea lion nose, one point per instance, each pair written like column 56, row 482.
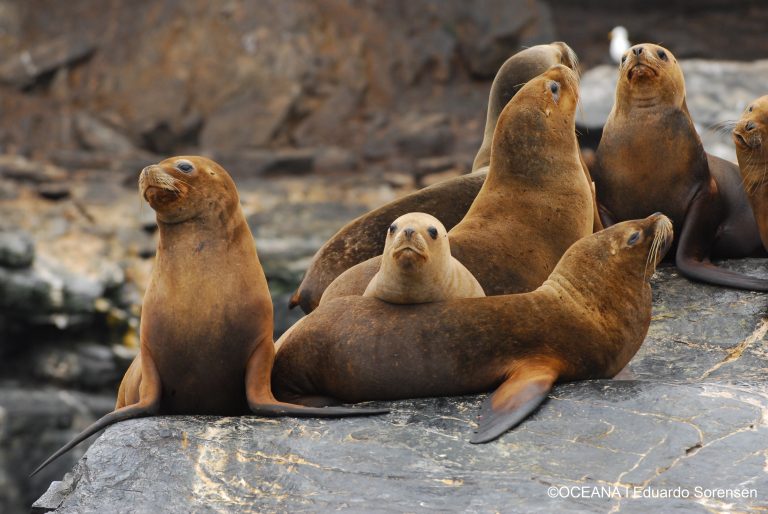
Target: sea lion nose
column 637, row 50
column 409, row 232
column 750, row 125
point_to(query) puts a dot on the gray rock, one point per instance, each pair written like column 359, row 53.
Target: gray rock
column 24, row 68
column 96, row 135
column 254, row 163
column 689, row 418
column 34, row 423
column 17, row 250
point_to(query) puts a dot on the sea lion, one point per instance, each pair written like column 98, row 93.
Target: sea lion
column 749, row 134
column 417, row 265
column 586, row 321
column 534, row 204
column 206, row 321
column 650, row 159
column 448, row 201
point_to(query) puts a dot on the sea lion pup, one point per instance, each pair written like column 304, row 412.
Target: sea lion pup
column 417, row 265
column 534, row 204
column 206, row 321
column 448, row 201
column 586, row 321
column 749, row 135
column 650, row 159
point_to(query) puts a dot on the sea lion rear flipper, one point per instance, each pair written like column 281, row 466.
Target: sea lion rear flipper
column 147, row 406
column 513, row 401
column 692, row 257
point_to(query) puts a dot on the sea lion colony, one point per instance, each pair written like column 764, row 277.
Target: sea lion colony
column 418, row 323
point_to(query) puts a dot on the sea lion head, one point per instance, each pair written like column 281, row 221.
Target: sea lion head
column 187, row 187
column 649, row 72
column 618, row 257
column 751, row 130
column 540, row 116
column 414, row 240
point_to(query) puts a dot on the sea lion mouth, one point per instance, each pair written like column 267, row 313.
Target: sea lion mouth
column 748, row 142
column 640, row 69
column 408, row 251
column 157, row 186
column 157, row 194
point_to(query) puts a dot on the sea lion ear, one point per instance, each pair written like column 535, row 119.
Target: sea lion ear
column 514, row 400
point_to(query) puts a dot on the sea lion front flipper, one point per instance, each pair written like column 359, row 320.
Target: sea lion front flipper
column 692, row 257
column 514, row 400
column 149, row 404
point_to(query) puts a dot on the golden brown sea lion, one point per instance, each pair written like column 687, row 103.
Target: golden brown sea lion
column 750, row 135
column 534, row 204
column 448, row 201
column 417, row 265
column 651, row 159
column 586, row 321
column 206, row 321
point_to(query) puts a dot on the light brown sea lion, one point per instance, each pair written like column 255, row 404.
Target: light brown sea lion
column 206, row 321
column 448, row 201
column 750, row 135
column 650, row 159
column 534, row 204
column 417, row 265
column 586, row 321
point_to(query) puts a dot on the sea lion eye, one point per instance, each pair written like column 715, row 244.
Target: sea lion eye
column 432, row 232
column 750, row 109
column 185, row 167
column 555, row 88
column 392, row 228
column 623, row 59
column 633, row 238
column 662, row 55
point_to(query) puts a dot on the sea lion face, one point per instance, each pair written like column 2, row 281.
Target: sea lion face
column 752, row 129
column 546, row 103
column 643, row 242
column 650, row 71
column 414, row 240
column 186, row 187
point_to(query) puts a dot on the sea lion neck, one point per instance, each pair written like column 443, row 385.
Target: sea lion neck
column 219, row 223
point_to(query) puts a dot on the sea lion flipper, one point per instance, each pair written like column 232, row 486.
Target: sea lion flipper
column 150, row 393
column 513, row 401
column 695, row 241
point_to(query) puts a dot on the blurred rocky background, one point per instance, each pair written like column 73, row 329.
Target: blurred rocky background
column 321, row 110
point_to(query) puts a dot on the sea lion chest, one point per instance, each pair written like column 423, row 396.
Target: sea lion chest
column 650, row 162
column 202, row 317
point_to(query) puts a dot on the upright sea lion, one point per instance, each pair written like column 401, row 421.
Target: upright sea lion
column 586, row 321
column 417, row 265
column 534, row 204
column 749, row 135
column 448, row 201
column 651, row 159
column 206, row 321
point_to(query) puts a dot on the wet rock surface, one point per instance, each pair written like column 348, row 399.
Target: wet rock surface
column 691, row 411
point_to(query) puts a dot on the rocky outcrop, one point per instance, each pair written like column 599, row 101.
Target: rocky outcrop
column 688, row 415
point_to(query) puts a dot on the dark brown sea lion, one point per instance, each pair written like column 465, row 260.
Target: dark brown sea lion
column 651, row 159
column 448, row 201
column 750, row 135
column 206, row 321
column 534, row 204
column 586, row 321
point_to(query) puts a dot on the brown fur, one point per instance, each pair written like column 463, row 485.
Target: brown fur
column 448, row 201
column 586, row 321
column 651, row 159
column 534, row 204
column 750, row 135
